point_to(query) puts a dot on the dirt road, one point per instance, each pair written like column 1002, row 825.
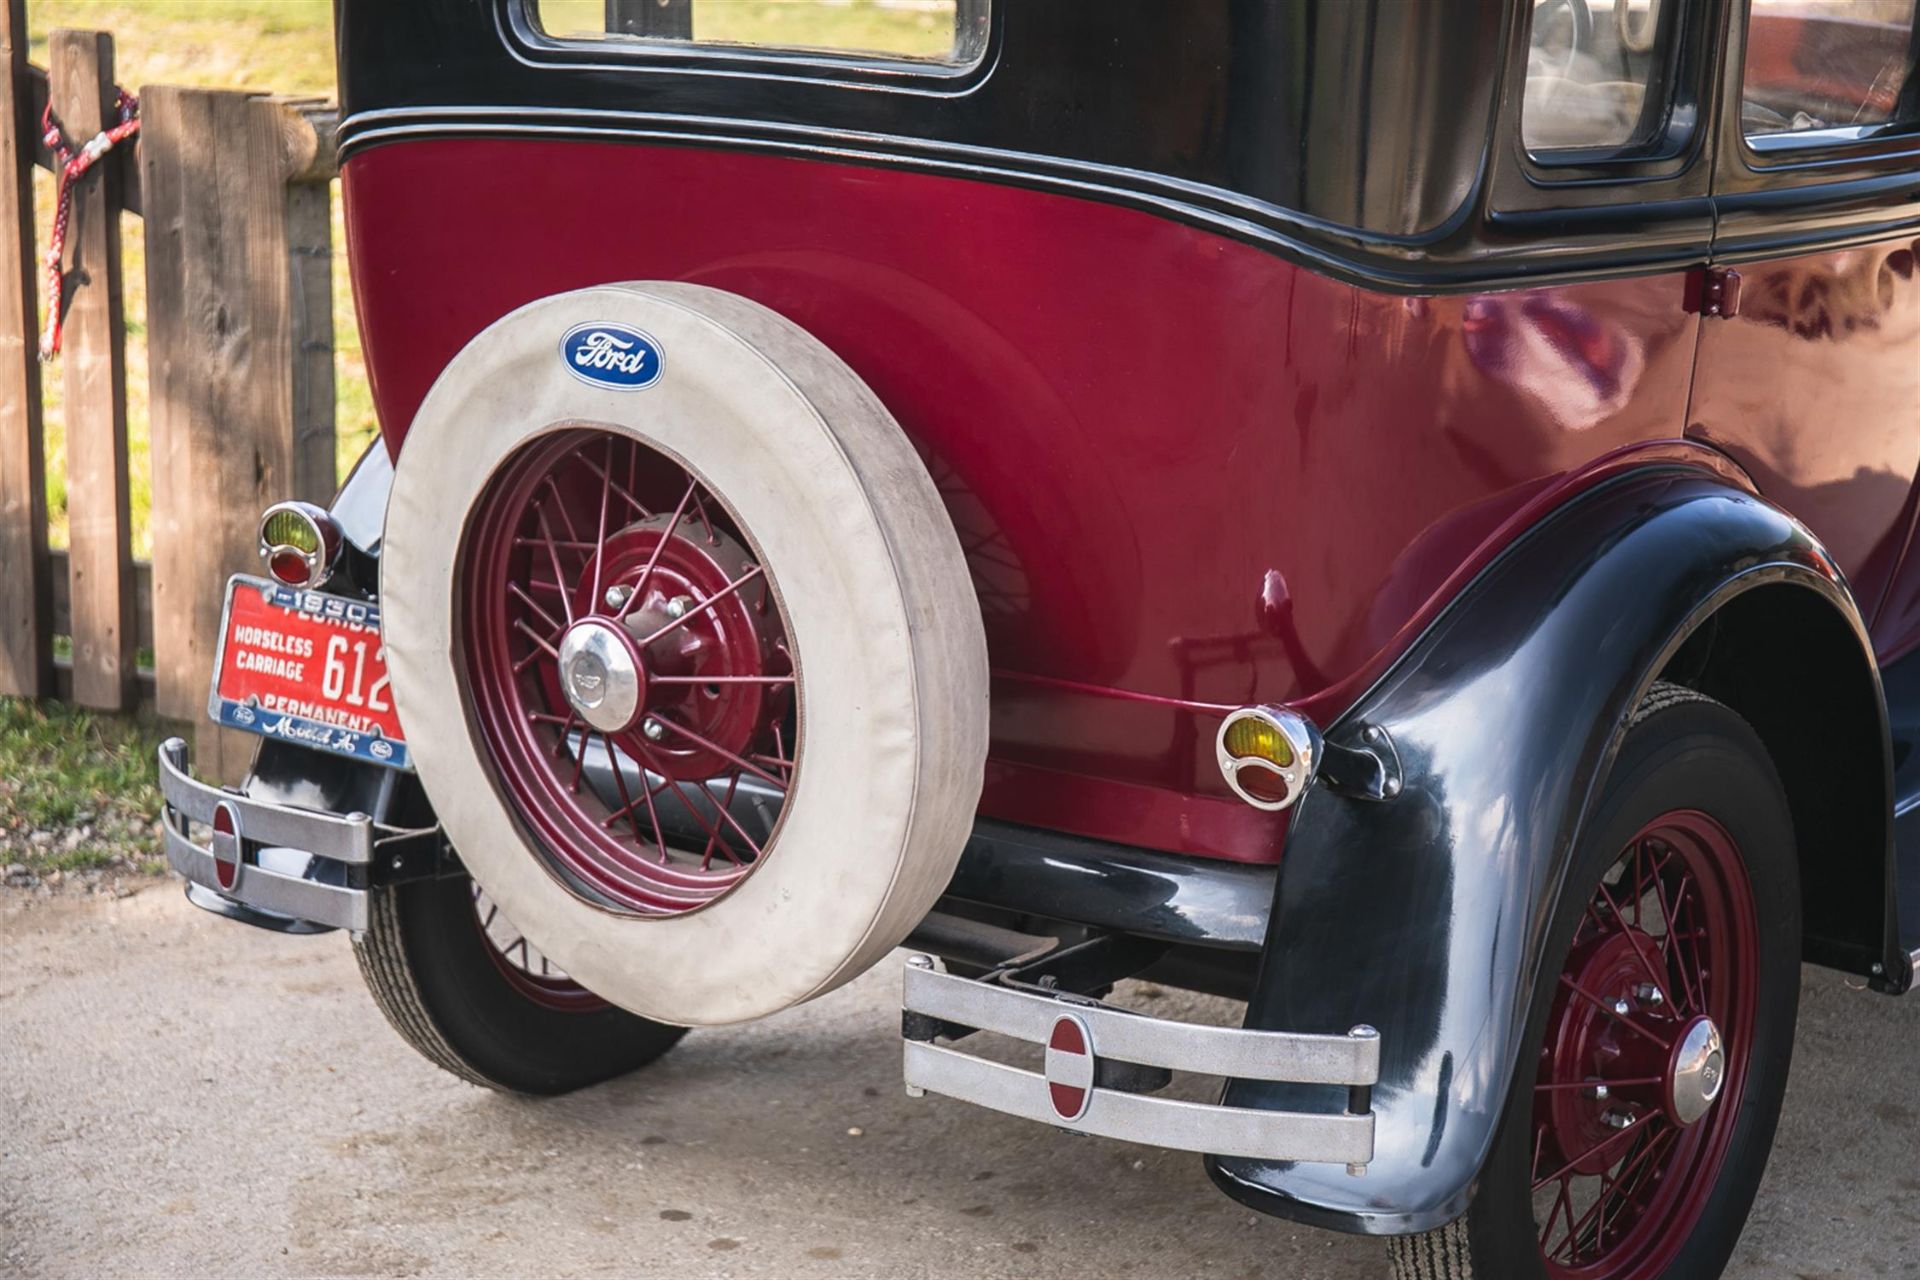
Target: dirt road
column 182, row 1096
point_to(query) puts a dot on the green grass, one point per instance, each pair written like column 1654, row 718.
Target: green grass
column 66, row 771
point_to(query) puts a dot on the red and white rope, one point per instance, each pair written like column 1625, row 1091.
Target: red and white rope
column 69, row 166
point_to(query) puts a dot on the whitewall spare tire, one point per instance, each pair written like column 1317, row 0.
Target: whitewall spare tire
column 685, row 648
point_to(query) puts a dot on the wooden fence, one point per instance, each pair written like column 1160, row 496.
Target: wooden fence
column 234, row 190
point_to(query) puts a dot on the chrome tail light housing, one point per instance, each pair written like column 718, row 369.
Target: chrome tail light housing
column 300, row 543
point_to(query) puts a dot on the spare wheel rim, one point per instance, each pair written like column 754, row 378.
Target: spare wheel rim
column 590, row 532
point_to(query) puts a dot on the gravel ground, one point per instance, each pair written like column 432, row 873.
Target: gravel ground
column 179, row 1095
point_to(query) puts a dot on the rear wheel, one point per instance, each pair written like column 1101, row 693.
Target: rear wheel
column 1635, row 1134
column 473, row 996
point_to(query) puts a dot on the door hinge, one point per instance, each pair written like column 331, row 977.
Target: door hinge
column 1714, row 291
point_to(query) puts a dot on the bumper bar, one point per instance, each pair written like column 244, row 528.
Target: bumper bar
column 288, row 864
column 1072, row 1092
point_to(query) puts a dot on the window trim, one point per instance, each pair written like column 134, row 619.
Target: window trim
column 519, row 25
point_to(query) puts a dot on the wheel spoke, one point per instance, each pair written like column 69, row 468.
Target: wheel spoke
column 600, row 537
column 626, row 801
column 706, row 521
column 1670, row 946
column 1568, row 1085
column 1632, row 936
column 1634, row 1165
column 765, row 680
column 553, row 555
column 519, row 591
column 640, row 587
column 560, row 506
column 711, row 828
column 726, row 806
column 1608, row 1009
column 705, row 605
column 520, row 624
column 631, row 501
column 717, row 749
column 580, row 760
column 1631, row 1126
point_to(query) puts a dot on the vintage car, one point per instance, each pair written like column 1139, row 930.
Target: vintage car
column 1401, row 514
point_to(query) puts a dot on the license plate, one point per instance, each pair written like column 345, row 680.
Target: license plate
column 306, row 667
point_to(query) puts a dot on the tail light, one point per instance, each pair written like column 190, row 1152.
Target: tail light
column 300, row 542
column 1268, row 755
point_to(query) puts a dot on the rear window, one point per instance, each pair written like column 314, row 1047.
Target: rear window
column 1816, row 65
column 936, row 31
column 1599, row 74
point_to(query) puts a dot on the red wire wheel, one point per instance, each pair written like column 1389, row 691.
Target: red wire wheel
column 527, row 969
column 1646, row 1054
column 628, row 663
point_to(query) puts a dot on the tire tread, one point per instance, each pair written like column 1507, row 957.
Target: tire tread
column 381, row 953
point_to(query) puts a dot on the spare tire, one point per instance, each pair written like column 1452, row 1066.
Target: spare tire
column 657, row 562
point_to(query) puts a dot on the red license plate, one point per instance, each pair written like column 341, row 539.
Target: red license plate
column 306, row 667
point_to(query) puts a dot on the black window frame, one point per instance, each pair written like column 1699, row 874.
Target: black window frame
column 1782, row 150
column 1675, row 86
column 1819, row 192
column 976, row 34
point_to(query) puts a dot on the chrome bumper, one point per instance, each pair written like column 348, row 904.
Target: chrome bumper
column 294, row 865
column 1072, row 1092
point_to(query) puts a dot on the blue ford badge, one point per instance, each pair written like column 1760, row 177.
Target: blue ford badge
column 612, row 355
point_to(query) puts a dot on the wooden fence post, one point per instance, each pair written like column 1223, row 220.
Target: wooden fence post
column 26, row 615
column 240, row 359
column 93, row 371
column 662, row 19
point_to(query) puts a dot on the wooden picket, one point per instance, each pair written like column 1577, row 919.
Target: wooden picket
column 235, row 191
column 26, row 583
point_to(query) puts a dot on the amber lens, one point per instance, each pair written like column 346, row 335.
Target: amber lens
column 1251, row 737
column 291, row 529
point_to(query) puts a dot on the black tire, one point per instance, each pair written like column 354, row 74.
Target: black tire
column 1682, row 751
column 433, row 973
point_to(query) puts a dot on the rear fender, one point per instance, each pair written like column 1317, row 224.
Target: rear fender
column 1425, row 914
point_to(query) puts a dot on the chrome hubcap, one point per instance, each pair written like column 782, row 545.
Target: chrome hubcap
column 1699, row 1070
column 601, row 675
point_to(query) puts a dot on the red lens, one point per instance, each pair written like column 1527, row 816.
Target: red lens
column 1262, row 783
column 289, row 568
column 226, row 846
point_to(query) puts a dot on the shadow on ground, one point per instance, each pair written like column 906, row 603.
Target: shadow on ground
column 187, row 1096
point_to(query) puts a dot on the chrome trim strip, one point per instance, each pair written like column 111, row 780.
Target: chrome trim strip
column 348, row 838
column 1178, row 1046
column 1132, row 1117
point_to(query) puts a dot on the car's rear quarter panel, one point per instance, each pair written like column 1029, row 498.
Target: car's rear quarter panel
column 1182, row 467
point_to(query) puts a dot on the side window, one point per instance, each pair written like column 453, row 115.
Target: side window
column 1828, row 64
column 1599, row 74
column 938, row 31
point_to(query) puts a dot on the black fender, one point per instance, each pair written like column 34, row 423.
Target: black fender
column 1425, row 914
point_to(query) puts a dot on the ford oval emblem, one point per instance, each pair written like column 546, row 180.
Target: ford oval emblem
column 612, row 355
